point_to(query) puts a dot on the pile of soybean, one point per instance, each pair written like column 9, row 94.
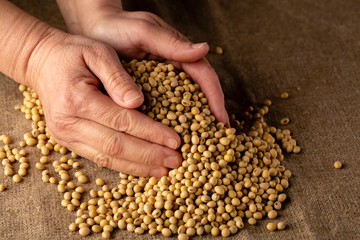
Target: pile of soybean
column 229, row 176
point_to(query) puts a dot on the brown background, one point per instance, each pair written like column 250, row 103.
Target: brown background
column 308, row 48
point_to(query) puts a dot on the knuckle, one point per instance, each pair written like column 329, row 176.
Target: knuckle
column 101, row 48
column 141, row 15
column 180, row 36
column 72, row 103
column 132, row 169
column 148, row 156
column 154, row 133
column 103, row 160
column 101, row 51
column 155, row 19
column 62, row 130
column 146, row 128
column 174, row 41
column 136, row 170
column 113, row 146
column 116, row 80
column 60, row 123
column 142, row 25
column 150, row 16
column 122, row 121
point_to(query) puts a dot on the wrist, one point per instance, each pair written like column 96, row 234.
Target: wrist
column 21, row 35
column 40, row 52
column 80, row 16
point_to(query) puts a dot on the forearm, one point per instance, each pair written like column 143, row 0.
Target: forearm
column 20, row 37
column 79, row 13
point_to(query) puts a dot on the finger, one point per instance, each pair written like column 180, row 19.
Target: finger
column 101, row 109
column 165, row 25
column 203, row 74
column 117, row 164
column 123, row 146
column 106, row 66
column 159, row 21
column 161, row 42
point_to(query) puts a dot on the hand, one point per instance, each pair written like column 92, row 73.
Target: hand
column 143, row 34
column 67, row 71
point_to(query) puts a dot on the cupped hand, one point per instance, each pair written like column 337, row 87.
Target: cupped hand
column 68, row 72
column 145, row 35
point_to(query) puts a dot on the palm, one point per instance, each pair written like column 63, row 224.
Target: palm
column 144, row 35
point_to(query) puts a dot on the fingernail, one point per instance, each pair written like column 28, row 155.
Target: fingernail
column 131, row 96
column 171, row 162
column 171, row 143
column 198, row 45
column 158, row 172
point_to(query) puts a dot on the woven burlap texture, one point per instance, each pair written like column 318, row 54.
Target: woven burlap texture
column 309, row 48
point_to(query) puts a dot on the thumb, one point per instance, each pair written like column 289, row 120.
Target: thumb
column 118, row 84
column 161, row 42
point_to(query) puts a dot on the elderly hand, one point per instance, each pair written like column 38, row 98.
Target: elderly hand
column 143, row 34
column 67, row 72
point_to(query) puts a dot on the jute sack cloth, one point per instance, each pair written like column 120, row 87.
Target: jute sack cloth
column 309, row 48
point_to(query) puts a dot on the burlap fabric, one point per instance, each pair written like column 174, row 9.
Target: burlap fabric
column 309, row 48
